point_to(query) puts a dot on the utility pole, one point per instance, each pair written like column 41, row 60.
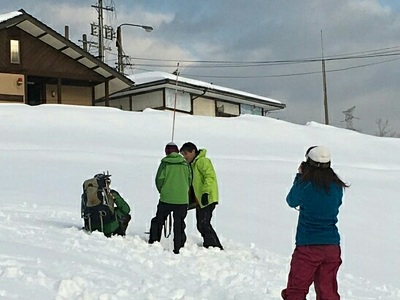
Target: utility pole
column 101, row 36
column 324, row 84
column 100, row 26
column 86, row 43
column 120, row 64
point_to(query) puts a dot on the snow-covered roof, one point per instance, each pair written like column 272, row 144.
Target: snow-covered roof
column 146, row 77
column 10, row 15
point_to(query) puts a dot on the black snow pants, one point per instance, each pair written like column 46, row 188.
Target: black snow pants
column 157, row 223
column 203, row 217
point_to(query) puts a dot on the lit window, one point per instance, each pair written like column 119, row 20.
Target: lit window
column 14, row 50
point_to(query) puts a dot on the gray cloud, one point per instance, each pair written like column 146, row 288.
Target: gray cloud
column 263, row 30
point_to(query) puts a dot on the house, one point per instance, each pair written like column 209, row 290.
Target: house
column 160, row 90
column 38, row 65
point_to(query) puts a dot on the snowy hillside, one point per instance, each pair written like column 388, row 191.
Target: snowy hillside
column 47, row 151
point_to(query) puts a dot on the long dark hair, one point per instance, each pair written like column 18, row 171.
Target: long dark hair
column 321, row 177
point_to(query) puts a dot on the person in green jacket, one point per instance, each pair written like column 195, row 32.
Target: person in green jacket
column 204, row 190
column 172, row 181
column 121, row 217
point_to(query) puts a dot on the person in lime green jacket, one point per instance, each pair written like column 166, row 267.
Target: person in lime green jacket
column 172, row 180
column 204, row 190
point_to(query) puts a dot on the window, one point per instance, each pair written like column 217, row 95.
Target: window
column 226, row 109
column 183, row 101
column 251, row 110
column 14, row 50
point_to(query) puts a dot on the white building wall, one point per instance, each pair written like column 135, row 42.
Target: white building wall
column 148, row 100
column 204, row 107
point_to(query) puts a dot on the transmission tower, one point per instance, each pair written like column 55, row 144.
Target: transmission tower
column 348, row 118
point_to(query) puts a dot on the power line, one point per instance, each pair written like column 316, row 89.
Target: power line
column 146, row 66
column 269, row 76
column 226, row 63
column 218, row 64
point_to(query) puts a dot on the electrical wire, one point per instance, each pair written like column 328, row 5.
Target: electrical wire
column 220, row 64
column 289, row 74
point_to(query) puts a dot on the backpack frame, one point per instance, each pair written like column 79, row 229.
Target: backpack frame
column 97, row 204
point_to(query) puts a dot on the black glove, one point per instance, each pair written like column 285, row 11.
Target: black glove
column 204, row 199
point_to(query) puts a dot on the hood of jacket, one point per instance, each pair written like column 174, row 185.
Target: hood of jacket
column 202, row 153
column 173, row 158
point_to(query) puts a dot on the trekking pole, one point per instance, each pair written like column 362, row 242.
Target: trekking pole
column 176, row 92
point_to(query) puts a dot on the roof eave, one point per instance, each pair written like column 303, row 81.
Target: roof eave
column 201, row 90
column 100, row 67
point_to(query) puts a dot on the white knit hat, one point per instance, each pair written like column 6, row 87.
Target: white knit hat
column 319, row 154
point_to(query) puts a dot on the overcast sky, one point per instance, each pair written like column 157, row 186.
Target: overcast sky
column 234, row 43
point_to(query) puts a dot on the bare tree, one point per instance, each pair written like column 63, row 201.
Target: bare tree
column 384, row 129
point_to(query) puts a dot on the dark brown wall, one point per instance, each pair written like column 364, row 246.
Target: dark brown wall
column 40, row 59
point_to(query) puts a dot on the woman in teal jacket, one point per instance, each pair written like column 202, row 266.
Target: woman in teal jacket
column 205, row 192
column 172, row 181
column 317, row 193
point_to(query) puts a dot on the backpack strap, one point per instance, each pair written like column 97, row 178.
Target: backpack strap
column 88, row 222
column 102, row 214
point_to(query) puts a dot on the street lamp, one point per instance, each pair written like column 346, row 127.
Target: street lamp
column 119, row 43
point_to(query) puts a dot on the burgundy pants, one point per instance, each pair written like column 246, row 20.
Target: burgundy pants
column 318, row 264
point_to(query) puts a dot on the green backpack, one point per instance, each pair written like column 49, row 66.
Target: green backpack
column 97, row 203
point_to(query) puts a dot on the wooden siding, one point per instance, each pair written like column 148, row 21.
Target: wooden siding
column 11, row 98
column 39, row 59
column 74, row 95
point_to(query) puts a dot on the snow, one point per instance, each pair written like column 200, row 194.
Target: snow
column 47, row 152
column 10, row 15
column 146, row 77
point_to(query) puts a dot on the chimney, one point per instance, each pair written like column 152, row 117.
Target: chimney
column 66, row 32
column 84, row 40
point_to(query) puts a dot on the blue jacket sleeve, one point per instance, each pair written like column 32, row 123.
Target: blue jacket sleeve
column 296, row 195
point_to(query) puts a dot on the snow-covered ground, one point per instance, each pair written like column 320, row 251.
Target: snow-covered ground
column 46, row 152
